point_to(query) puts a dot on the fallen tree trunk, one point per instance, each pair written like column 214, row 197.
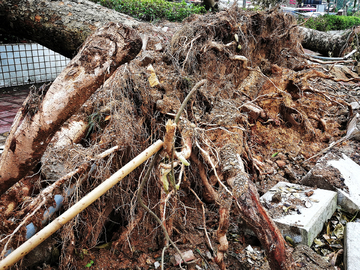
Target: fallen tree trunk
column 108, row 48
column 64, row 25
column 58, row 25
column 325, row 43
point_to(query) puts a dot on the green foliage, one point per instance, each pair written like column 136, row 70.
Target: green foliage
column 332, row 22
column 150, row 10
column 90, row 263
column 94, row 122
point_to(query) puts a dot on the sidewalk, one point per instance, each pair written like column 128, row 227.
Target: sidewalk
column 11, row 100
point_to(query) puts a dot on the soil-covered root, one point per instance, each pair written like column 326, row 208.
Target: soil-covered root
column 260, row 98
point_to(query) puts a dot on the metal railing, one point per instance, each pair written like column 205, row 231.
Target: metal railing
column 28, row 63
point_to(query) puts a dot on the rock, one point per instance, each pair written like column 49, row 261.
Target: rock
column 208, row 255
column 280, row 163
column 290, row 174
column 298, row 216
column 276, row 198
column 355, row 105
column 352, row 246
column 340, row 173
column 158, row 47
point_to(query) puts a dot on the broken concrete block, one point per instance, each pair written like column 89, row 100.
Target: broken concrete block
column 301, row 211
column 352, row 246
column 340, row 173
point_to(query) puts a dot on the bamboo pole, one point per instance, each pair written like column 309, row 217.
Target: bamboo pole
column 39, row 237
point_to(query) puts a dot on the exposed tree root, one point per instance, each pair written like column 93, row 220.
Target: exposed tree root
column 251, row 210
column 251, row 96
column 225, row 202
column 210, row 195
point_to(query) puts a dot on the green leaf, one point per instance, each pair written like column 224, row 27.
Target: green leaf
column 275, row 154
column 90, row 264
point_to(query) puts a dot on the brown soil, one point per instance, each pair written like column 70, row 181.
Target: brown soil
column 269, row 105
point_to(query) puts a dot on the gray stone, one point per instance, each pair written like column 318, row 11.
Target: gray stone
column 302, row 211
column 355, row 105
column 340, row 173
column 352, row 246
column 158, row 47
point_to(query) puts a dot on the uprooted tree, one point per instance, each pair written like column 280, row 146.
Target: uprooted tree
column 253, row 99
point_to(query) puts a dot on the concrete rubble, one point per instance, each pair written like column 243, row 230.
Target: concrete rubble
column 299, row 212
column 340, row 173
column 352, row 246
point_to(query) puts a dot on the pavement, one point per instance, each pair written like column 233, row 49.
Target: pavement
column 11, row 100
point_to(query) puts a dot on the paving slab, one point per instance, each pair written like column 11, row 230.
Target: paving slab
column 299, row 211
column 352, row 246
column 11, row 100
column 340, row 173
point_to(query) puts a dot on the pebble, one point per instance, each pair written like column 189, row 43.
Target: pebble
column 280, row 163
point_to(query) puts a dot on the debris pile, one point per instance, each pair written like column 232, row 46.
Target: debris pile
column 261, row 109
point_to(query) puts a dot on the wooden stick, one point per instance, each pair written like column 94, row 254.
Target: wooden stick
column 38, row 238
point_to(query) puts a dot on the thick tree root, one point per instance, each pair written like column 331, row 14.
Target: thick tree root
column 251, row 210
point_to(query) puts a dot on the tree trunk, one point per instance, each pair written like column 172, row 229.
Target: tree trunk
column 327, row 44
column 64, row 25
column 58, row 25
column 101, row 54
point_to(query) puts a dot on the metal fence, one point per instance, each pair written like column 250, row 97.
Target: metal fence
column 28, row 63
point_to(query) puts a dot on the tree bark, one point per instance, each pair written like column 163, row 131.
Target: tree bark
column 58, row 25
column 251, row 210
column 64, row 25
column 335, row 44
column 101, row 54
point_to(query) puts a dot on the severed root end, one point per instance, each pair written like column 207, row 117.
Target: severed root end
column 169, row 136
